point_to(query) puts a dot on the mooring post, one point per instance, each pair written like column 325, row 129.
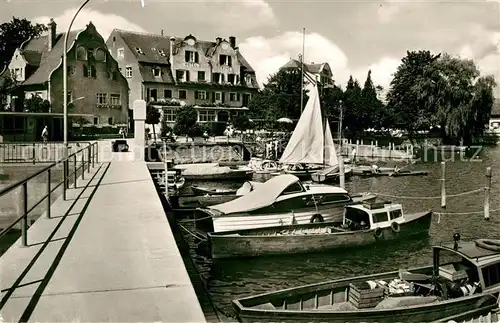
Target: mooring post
column 487, row 193
column 75, row 169
column 24, row 210
column 443, row 185
column 49, row 193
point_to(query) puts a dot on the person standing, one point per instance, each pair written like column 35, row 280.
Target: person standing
column 45, row 134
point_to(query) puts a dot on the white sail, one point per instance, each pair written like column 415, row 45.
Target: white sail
column 307, row 142
column 330, row 152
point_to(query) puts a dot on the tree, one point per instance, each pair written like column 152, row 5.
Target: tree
column 373, row 109
column 36, row 104
column 330, row 98
column 353, row 107
column 13, row 34
column 280, row 97
column 185, row 121
column 153, row 116
column 242, row 122
column 410, row 104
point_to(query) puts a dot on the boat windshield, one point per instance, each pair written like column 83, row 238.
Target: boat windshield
column 454, row 267
column 356, row 216
column 293, row 188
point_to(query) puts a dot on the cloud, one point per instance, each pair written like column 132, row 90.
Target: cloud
column 387, row 10
column 267, row 55
column 104, row 23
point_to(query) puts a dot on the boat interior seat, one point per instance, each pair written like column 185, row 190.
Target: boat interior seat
column 265, row 306
column 405, row 301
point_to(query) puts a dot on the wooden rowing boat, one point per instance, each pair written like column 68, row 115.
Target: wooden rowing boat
column 364, row 171
column 463, row 276
column 382, row 222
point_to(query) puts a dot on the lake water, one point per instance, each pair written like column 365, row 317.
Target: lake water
column 230, row 279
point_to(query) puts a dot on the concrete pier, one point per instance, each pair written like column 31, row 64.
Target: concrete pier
column 107, row 254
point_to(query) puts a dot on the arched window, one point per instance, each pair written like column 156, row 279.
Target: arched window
column 81, row 53
column 100, row 55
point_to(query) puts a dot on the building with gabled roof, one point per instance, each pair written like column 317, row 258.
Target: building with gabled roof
column 97, row 92
column 213, row 76
column 318, row 73
column 494, row 124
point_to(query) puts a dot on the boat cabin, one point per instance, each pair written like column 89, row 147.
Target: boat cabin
column 467, row 263
column 371, row 216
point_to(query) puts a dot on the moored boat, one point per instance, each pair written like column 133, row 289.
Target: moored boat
column 363, row 224
column 463, row 276
column 367, row 171
column 273, row 202
column 331, row 175
column 211, row 172
column 212, row 191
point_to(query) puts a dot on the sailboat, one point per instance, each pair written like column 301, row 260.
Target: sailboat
column 311, row 150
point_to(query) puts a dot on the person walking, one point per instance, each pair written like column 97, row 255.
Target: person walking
column 45, row 134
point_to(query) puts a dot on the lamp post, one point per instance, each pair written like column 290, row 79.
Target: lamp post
column 65, row 79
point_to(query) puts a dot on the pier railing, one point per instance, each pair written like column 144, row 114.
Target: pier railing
column 81, row 162
column 36, row 152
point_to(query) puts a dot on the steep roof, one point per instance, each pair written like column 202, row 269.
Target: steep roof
column 147, row 74
column 36, row 50
column 311, row 68
column 151, row 44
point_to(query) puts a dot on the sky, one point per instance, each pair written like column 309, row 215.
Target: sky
column 352, row 36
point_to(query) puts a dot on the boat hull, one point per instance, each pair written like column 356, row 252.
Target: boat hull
column 264, row 242
column 231, row 175
column 203, row 191
column 316, row 302
column 244, row 221
column 330, row 177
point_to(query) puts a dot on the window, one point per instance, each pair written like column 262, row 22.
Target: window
column 200, row 95
column 491, row 275
column 69, row 97
column 90, row 53
column 231, row 78
column 128, row 71
column 380, row 217
column 110, row 120
column 152, row 95
column 114, row 99
column 81, row 53
column 182, row 94
column 162, row 53
column 182, row 76
column 235, row 97
column 191, row 56
column 169, row 114
column 335, row 198
column 167, row 94
column 292, row 188
column 157, row 72
column 112, row 75
column 139, row 51
column 218, row 96
column 395, row 214
column 248, row 80
column 89, row 71
column 96, row 120
column 201, row 76
column 121, row 53
column 216, row 77
column 100, row 55
column 17, row 73
column 102, row 98
column 207, row 115
column 225, row 60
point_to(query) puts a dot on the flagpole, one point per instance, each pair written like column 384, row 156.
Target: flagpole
column 302, row 71
column 341, row 158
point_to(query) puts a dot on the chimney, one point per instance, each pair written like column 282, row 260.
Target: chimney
column 218, row 40
column 52, row 34
column 162, row 32
column 171, row 53
column 232, row 41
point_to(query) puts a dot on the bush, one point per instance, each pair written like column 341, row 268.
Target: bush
column 186, row 118
column 217, row 128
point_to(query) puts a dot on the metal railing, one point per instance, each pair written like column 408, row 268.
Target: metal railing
column 36, row 152
column 87, row 157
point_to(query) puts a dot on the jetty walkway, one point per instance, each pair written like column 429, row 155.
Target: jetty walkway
column 106, row 254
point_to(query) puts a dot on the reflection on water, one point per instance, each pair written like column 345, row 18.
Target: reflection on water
column 230, row 279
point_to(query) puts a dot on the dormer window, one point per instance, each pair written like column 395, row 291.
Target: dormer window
column 225, row 60
column 121, row 53
column 191, row 56
column 17, row 74
column 248, row 80
column 233, row 79
column 218, row 78
column 153, row 49
column 157, row 72
column 81, row 53
column 140, row 51
column 162, row 53
column 100, row 55
column 90, row 53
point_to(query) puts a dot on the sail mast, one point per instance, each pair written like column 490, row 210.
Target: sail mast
column 302, row 71
column 341, row 159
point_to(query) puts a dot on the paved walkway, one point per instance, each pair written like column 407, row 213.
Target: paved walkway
column 111, row 258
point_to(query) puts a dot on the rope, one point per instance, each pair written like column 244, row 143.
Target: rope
column 431, row 197
column 194, row 220
column 461, row 213
column 199, row 237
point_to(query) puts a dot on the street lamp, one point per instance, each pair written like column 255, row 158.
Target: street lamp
column 65, row 79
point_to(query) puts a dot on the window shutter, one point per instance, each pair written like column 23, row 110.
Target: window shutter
column 229, row 60
column 186, row 56
column 187, row 76
column 238, row 97
column 222, row 78
column 213, row 97
column 196, row 57
column 114, row 76
column 93, row 71
column 223, row 97
column 221, row 59
column 85, row 71
column 196, row 95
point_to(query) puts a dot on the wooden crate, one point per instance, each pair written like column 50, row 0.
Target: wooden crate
column 365, row 298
